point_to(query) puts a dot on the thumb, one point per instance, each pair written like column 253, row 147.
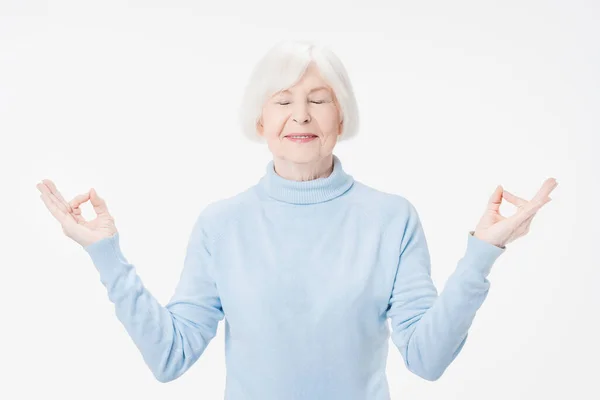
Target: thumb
column 98, row 202
column 495, row 199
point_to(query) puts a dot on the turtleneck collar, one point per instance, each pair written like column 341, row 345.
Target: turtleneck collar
column 306, row 192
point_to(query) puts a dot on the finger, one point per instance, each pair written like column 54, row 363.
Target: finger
column 524, row 227
column 45, row 189
column 530, row 210
column 78, row 200
column 61, row 216
column 547, row 187
column 98, row 202
column 75, row 203
column 79, row 218
column 511, row 198
column 56, row 193
column 495, row 199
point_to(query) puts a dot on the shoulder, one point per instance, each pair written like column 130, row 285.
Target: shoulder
column 385, row 205
column 217, row 215
column 229, row 206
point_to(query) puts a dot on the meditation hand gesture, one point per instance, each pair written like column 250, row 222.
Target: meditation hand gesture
column 499, row 230
column 69, row 214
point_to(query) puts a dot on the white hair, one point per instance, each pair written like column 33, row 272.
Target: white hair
column 284, row 65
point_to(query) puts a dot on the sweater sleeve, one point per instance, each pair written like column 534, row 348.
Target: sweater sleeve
column 170, row 338
column 431, row 330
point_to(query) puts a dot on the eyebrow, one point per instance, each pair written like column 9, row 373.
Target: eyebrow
column 312, row 90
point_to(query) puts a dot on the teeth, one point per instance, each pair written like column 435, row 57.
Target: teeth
column 301, row 137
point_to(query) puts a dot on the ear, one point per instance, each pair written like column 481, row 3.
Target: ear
column 341, row 126
column 259, row 128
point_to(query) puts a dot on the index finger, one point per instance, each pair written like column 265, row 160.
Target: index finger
column 79, row 199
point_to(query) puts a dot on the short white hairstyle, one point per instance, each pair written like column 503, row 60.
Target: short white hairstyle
column 281, row 67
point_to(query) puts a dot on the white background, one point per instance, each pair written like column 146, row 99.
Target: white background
column 139, row 99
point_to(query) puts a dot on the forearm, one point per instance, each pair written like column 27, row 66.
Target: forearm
column 164, row 340
column 437, row 337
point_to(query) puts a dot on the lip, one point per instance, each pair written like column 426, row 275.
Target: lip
column 305, row 140
column 300, row 134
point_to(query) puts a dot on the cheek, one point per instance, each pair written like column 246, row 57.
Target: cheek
column 273, row 120
column 328, row 120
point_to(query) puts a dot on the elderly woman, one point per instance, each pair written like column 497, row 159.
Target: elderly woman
column 307, row 265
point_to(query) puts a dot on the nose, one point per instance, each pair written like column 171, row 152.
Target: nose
column 300, row 114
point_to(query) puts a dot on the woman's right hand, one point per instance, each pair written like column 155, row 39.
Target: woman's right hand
column 70, row 218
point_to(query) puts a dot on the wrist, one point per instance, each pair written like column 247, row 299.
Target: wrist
column 499, row 245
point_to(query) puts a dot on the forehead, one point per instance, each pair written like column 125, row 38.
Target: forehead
column 307, row 88
column 311, row 81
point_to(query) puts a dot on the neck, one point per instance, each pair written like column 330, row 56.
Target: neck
column 321, row 168
column 319, row 190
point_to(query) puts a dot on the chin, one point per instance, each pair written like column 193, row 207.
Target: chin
column 302, row 157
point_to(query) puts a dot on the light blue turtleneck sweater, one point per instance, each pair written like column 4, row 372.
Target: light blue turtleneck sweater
column 306, row 275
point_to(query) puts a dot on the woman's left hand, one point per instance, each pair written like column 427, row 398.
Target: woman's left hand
column 499, row 230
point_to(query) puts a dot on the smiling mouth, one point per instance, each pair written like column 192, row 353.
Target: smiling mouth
column 301, row 138
column 299, row 135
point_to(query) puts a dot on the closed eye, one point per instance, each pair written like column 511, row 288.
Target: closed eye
column 316, row 102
